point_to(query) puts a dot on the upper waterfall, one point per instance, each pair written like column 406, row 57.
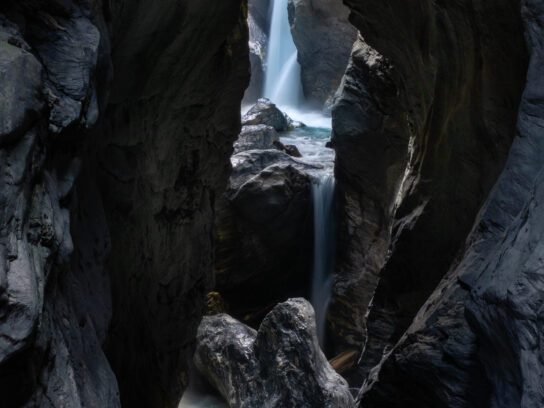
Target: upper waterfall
column 282, row 78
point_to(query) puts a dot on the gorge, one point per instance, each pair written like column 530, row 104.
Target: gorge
column 271, row 203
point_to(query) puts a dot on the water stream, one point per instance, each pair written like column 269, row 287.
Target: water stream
column 283, row 87
column 282, row 78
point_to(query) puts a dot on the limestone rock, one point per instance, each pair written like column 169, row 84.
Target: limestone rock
column 281, row 365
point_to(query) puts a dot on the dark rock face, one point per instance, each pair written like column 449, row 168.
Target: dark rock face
column 477, row 340
column 256, row 137
column 265, row 112
column 258, row 41
column 281, row 365
column 266, row 212
column 107, row 193
column 422, row 127
column 324, row 37
column 164, row 161
column 55, row 301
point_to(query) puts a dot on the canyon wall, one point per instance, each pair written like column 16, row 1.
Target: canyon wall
column 323, row 37
column 117, row 121
column 422, row 127
column 478, row 339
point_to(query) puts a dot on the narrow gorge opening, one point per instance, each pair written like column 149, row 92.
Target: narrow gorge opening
column 271, row 203
column 276, row 227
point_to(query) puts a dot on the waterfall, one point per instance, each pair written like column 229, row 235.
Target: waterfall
column 282, row 78
column 324, row 238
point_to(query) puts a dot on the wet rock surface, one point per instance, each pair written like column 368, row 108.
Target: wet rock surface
column 280, row 365
column 324, row 37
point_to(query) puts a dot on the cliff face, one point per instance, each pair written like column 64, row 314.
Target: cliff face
column 116, row 127
column 477, row 340
column 323, row 36
column 425, row 118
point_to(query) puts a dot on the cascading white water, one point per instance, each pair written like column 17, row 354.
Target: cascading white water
column 282, row 78
column 323, row 200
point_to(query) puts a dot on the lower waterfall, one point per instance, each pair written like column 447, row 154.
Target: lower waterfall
column 323, row 189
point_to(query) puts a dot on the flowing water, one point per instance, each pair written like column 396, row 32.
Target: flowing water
column 323, row 201
column 282, row 77
column 283, row 87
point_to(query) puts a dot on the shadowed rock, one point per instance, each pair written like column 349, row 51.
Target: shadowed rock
column 281, row 365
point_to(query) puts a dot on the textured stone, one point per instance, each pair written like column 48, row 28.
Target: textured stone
column 324, row 37
column 422, row 126
column 264, row 215
column 21, row 100
column 132, row 166
column 281, row 365
column 256, row 137
column 477, row 340
column 264, row 112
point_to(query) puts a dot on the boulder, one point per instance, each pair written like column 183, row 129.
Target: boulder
column 264, row 112
column 323, row 36
column 291, row 150
column 280, row 365
column 256, row 137
column 266, row 211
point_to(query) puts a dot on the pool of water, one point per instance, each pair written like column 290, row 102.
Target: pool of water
column 311, row 142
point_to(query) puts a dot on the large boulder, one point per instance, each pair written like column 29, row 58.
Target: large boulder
column 267, row 211
column 265, row 112
column 260, row 137
column 281, row 365
column 324, row 37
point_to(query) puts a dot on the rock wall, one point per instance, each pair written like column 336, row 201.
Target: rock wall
column 117, row 121
column 323, row 37
column 478, row 339
column 422, row 127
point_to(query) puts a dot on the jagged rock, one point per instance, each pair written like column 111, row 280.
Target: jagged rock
column 281, row 365
column 414, row 161
column 21, row 100
column 264, row 112
column 477, row 340
column 256, row 137
column 140, row 182
column 324, row 37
